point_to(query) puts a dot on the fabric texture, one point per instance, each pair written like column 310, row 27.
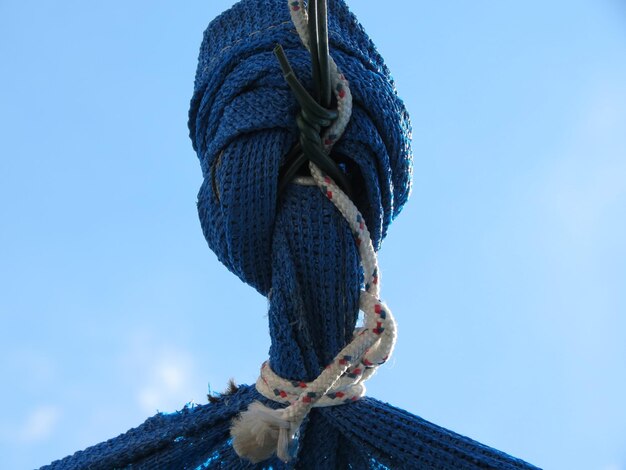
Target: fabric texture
column 297, row 250
column 368, row 434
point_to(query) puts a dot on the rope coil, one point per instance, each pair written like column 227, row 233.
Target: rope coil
column 260, row 431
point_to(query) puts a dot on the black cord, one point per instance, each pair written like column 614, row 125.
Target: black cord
column 323, row 53
column 314, row 113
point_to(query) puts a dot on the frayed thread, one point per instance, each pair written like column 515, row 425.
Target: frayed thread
column 259, row 432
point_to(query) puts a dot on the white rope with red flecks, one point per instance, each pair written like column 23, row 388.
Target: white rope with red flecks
column 260, row 431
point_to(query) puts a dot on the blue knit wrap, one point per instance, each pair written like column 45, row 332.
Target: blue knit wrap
column 242, row 123
column 296, row 249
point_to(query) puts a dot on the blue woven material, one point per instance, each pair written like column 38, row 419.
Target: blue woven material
column 298, row 250
column 366, row 434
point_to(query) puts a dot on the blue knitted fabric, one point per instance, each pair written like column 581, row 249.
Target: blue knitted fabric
column 297, row 250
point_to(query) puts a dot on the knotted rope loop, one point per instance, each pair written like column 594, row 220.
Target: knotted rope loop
column 260, row 431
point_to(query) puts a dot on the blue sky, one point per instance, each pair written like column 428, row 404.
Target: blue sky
column 506, row 270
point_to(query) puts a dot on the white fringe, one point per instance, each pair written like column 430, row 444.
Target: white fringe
column 260, row 431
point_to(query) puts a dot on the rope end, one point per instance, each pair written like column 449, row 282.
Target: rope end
column 260, row 432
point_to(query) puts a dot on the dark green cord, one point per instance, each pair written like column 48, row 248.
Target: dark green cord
column 314, row 114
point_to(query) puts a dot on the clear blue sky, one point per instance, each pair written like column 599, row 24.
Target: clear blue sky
column 506, row 271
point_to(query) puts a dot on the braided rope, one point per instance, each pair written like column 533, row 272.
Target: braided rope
column 260, row 431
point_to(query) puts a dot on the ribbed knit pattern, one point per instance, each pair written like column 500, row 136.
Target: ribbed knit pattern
column 242, row 106
column 298, row 251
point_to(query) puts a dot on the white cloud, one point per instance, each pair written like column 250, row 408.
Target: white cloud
column 163, row 376
column 40, row 423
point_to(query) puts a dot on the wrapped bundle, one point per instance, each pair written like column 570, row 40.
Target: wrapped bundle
column 311, row 252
